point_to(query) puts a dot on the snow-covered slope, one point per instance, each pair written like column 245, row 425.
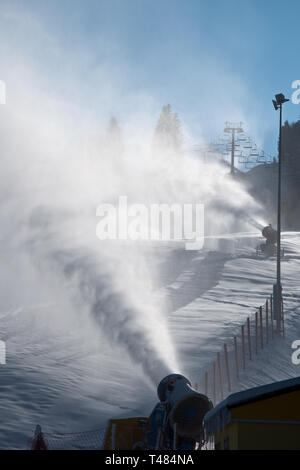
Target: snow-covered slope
column 66, row 379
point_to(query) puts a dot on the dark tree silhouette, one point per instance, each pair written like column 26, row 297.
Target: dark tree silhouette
column 291, row 174
column 262, row 180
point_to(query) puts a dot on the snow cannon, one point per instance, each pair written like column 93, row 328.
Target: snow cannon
column 269, row 248
column 175, row 423
column 186, row 406
column 270, row 234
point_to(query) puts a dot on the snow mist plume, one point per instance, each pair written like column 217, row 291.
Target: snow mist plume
column 98, row 286
column 56, row 154
column 70, row 171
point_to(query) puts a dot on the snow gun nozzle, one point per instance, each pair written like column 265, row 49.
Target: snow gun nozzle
column 187, row 406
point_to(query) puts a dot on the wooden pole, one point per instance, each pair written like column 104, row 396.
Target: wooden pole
column 227, row 367
column 236, row 358
column 220, row 374
column 271, row 312
column 249, row 338
column 267, row 321
column 261, row 328
column 282, row 317
column 243, row 347
column 256, row 333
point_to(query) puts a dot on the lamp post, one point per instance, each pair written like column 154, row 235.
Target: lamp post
column 277, row 288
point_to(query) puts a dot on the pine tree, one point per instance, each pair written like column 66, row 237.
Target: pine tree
column 177, row 132
column 168, row 133
column 114, row 141
column 113, row 130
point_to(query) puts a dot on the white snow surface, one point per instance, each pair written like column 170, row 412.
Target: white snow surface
column 66, row 379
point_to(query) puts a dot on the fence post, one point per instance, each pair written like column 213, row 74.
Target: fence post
column 261, row 328
column 236, row 358
column 271, row 312
column 214, row 383
column 249, row 338
column 282, row 318
column 256, row 332
column 267, row 321
column 243, row 347
column 227, row 367
column 220, row 374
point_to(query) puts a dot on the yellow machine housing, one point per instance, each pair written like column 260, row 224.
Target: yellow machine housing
column 123, row 434
column 261, row 418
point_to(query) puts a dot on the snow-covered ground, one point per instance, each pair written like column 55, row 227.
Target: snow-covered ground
column 66, row 379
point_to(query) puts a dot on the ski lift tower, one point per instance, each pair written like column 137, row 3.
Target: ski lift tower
column 240, row 146
column 233, row 128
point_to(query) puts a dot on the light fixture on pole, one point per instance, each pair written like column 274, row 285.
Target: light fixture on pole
column 277, row 288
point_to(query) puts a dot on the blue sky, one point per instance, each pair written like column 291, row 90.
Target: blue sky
column 211, row 60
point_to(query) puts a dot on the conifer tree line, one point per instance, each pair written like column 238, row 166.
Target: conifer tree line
column 263, row 180
column 167, row 134
column 291, row 174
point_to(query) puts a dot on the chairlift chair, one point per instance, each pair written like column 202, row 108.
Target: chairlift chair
column 243, row 159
